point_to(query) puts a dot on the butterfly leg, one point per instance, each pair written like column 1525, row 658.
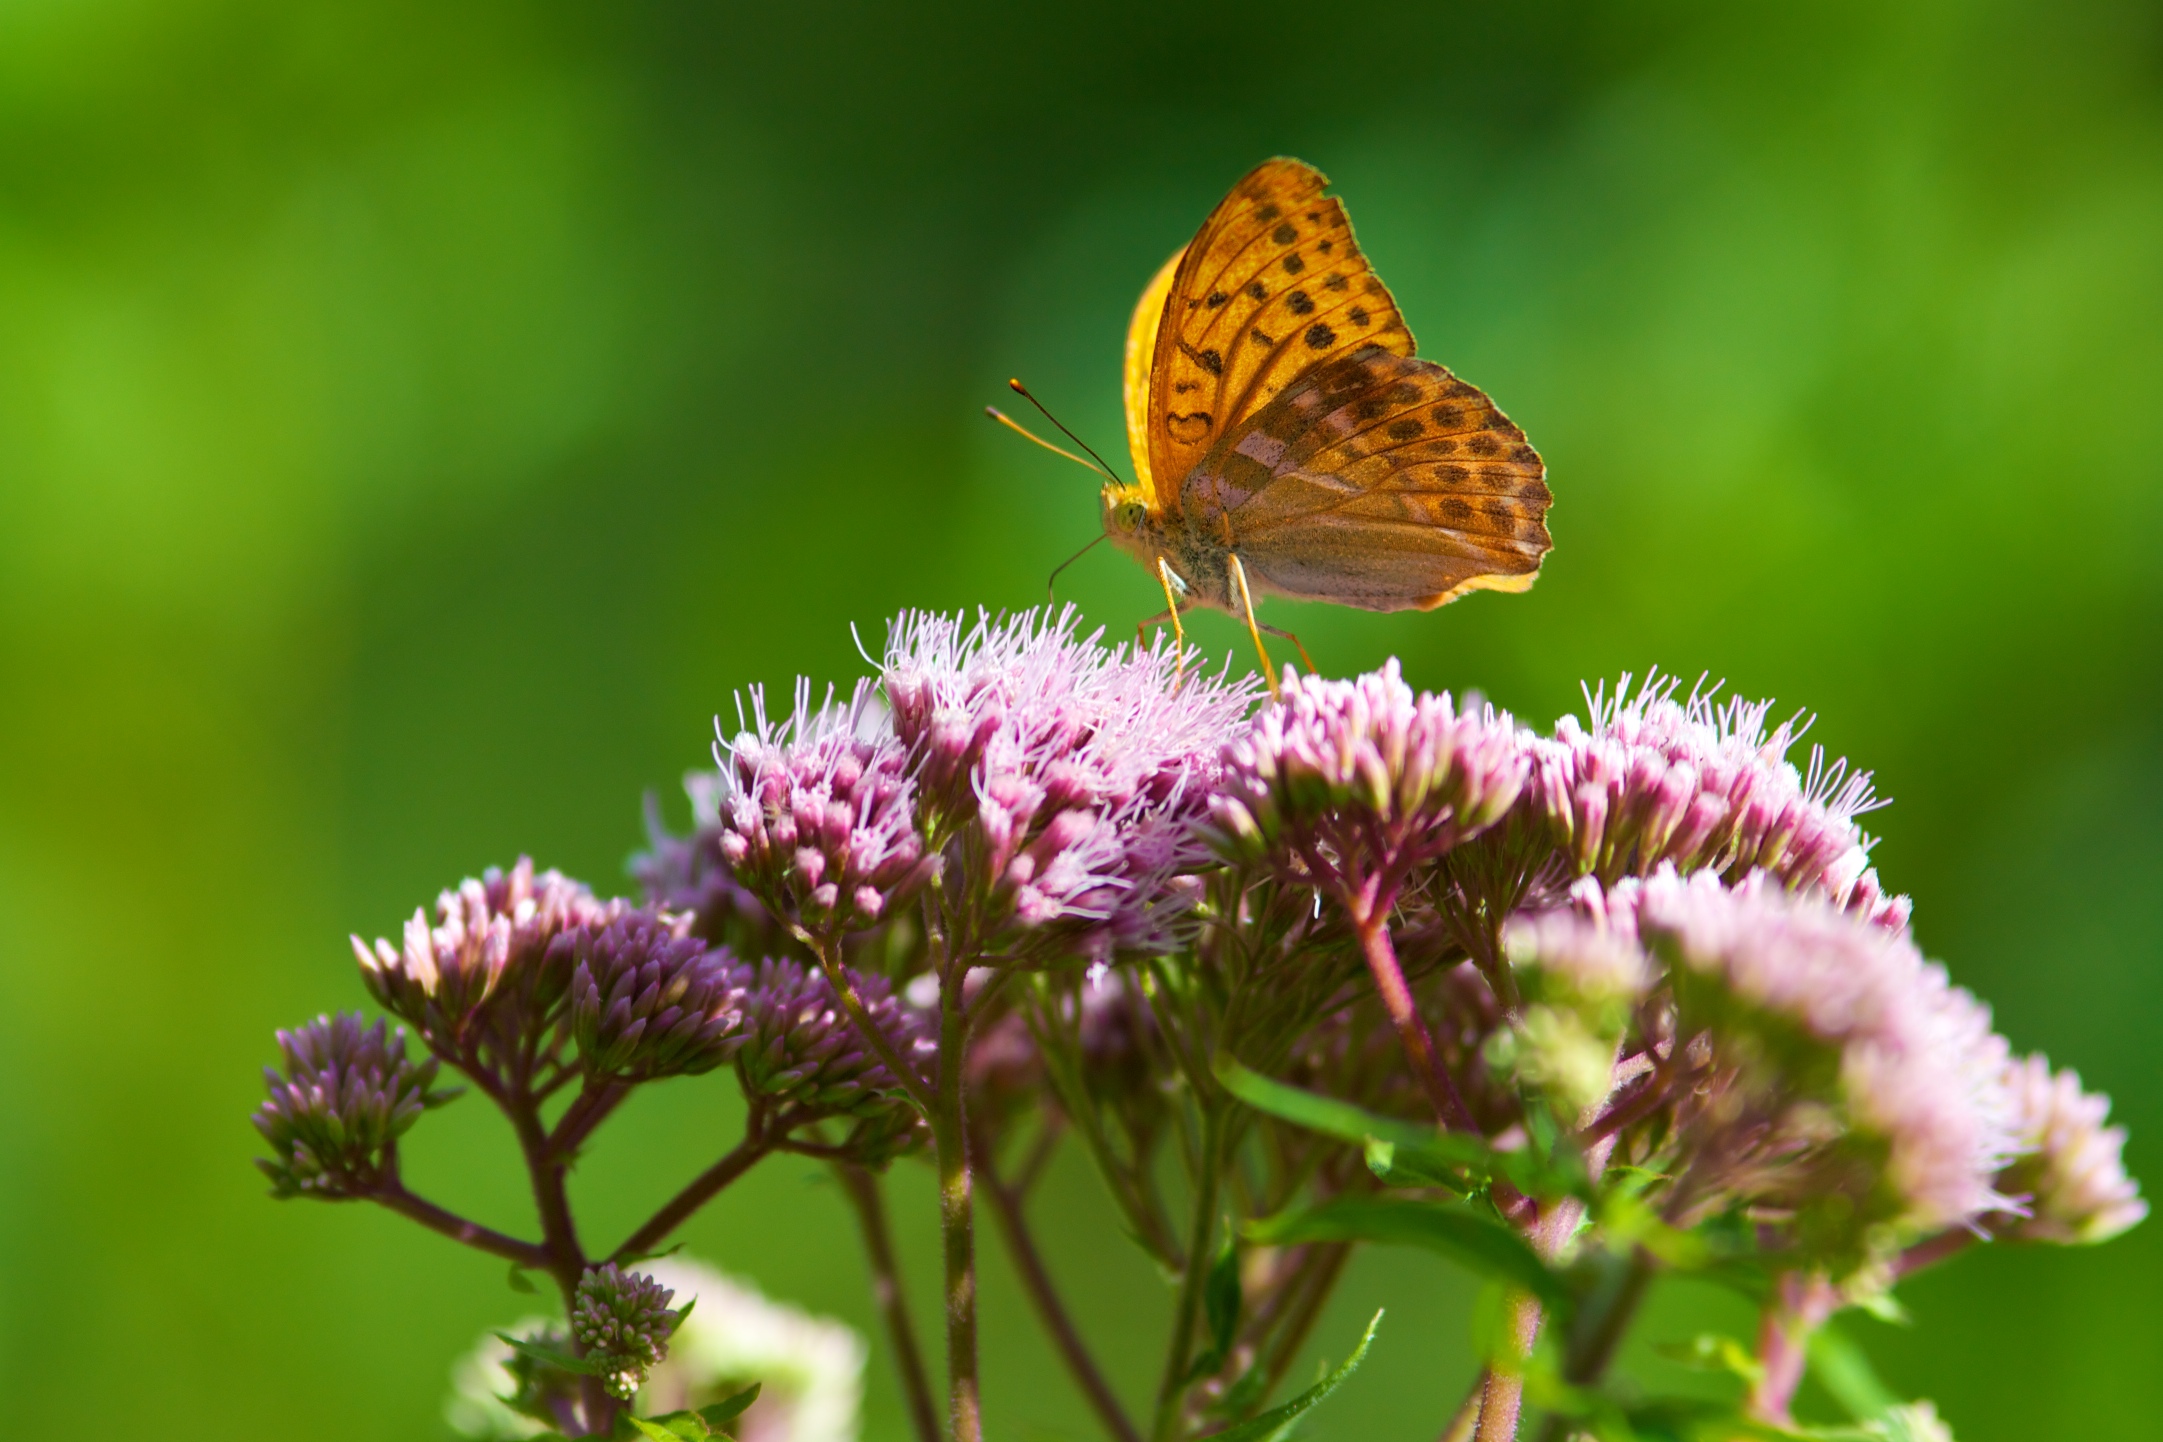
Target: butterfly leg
column 1254, row 627
column 1270, row 630
column 1174, row 604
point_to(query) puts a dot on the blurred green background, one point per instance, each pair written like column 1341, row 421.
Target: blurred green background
column 416, row 421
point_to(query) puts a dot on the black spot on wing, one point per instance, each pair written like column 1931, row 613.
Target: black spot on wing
column 1405, row 430
column 1285, row 234
column 1300, row 302
column 1188, row 428
column 1293, row 265
column 1255, row 291
column 1217, row 298
column 1335, row 282
column 1320, row 337
column 1359, row 315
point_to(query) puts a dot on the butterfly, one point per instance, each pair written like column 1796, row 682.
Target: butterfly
column 1287, row 441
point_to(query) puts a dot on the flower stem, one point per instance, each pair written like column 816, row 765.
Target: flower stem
column 860, row 1017
column 1370, row 922
column 957, row 1225
column 1597, row 1332
column 1502, row 1393
column 394, row 1195
column 701, row 1190
column 1172, row 1387
column 1036, row 1280
column 887, row 1293
column 1799, row 1306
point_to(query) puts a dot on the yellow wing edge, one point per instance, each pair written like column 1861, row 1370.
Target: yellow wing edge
column 1516, row 583
column 1141, row 355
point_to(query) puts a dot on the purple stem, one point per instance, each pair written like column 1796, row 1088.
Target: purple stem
column 702, row 1189
column 1800, row 1306
column 890, row 1297
column 1036, row 1280
column 393, row 1194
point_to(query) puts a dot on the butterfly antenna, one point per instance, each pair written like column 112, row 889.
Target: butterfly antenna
column 1023, row 391
column 1053, row 578
column 1026, row 434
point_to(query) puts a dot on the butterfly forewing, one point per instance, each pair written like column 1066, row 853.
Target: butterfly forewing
column 1381, row 481
column 1273, row 285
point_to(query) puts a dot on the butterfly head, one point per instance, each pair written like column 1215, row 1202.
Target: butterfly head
column 1126, row 518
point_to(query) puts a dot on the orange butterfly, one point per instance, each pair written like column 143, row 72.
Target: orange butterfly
column 1286, row 441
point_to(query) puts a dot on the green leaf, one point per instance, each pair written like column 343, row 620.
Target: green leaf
column 1452, row 1229
column 1713, row 1352
column 554, row 1357
column 675, row 1427
column 520, row 1282
column 1272, row 1425
column 1627, row 1219
column 728, row 1409
column 1426, row 1157
column 1841, row 1369
column 1221, row 1300
column 1412, row 1168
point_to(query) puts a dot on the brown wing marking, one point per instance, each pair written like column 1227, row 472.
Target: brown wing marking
column 1331, row 492
column 1273, row 285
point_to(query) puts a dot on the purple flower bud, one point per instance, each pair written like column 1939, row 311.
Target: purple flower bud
column 622, row 1321
column 2071, row 1174
column 801, row 1052
column 488, row 953
column 1366, row 763
column 649, row 1000
column 1695, row 783
column 822, row 815
column 346, row 1094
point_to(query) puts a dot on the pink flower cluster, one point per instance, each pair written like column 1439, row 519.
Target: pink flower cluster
column 818, row 818
column 1369, row 768
column 1699, row 784
column 1070, row 776
column 495, row 943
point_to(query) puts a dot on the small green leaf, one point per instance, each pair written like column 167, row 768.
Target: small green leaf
column 1713, row 1352
column 1453, row 1229
column 728, row 1409
column 520, row 1282
column 1221, row 1300
column 554, row 1357
column 1426, row 1157
column 1409, row 1167
column 1626, row 1218
column 675, row 1427
column 1272, row 1425
column 1841, row 1369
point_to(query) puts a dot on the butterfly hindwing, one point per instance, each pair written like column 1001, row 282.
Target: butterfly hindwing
column 1378, row 480
column 1272, row 286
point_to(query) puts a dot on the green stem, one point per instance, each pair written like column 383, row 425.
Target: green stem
column 1172, row 1388
column 957, row 1226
